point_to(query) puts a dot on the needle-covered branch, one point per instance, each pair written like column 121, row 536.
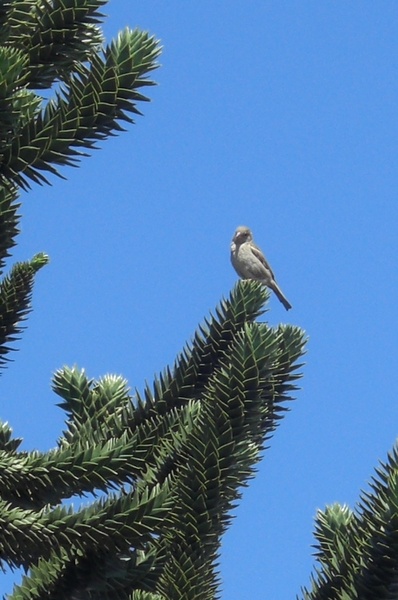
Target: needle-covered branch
column 15, row 296
column 96, row 96
column 193, row 442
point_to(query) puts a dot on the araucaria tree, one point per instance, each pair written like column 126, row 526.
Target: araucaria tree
column 168, row 462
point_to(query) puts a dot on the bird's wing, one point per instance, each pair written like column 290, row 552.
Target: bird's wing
column 258, row 254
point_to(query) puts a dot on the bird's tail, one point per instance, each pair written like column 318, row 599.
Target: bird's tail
column 280, row 295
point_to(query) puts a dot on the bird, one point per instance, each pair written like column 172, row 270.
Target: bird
column 250, row 263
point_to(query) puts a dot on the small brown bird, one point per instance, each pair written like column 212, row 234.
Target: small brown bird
column 250, row 263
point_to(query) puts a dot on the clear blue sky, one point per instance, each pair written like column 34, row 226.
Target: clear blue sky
column 282, row 116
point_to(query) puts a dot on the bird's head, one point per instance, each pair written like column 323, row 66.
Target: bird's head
column 242, row 234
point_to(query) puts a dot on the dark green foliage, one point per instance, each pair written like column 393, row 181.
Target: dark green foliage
column 358, row 551
column 58, row 44
column 176, row 460
column 241, row 404
column 7, row 442
column 8, row 223
column 15, row 295
column 46, row 42
column 54, row 35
